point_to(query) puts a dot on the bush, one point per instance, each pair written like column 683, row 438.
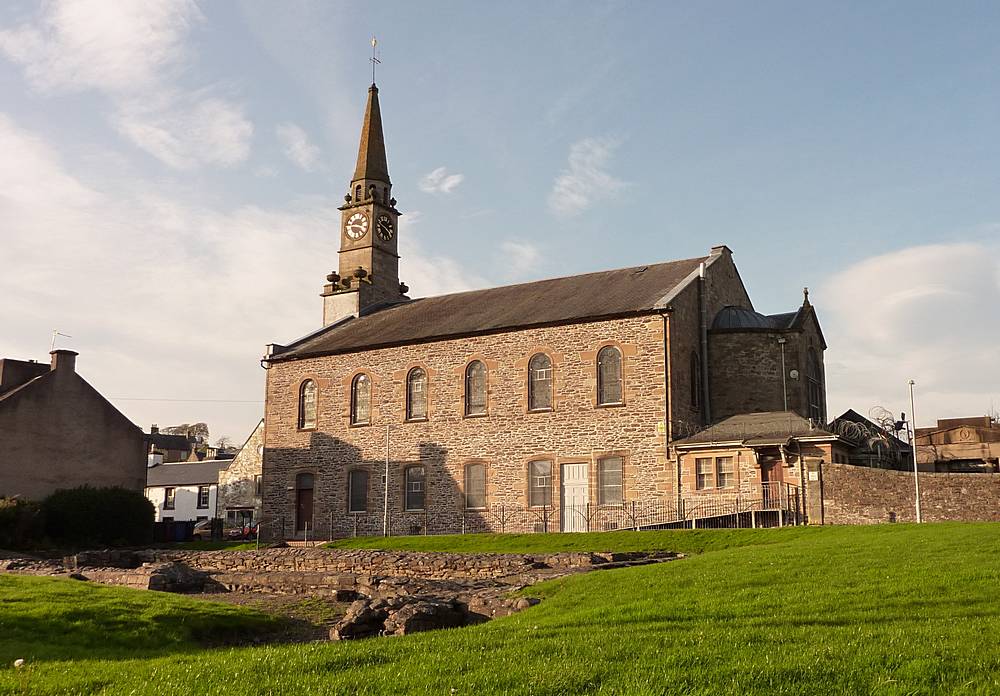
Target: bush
column 104, row 516
column 22, row 523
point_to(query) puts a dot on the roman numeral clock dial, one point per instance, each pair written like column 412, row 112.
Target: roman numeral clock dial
column 384, row 228
column 356, row 226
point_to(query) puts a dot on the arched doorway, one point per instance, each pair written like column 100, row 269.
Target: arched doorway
column 303, row 502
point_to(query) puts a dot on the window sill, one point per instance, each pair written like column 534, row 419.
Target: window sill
column 541, row 410
column 357, row 512
column 417, row 420
column 476, row 509
column 415, row 510
column 476, row 415
column 307, row 430
column 617, row 404
column 360, row 425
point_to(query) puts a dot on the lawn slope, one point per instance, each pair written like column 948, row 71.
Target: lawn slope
column 895, row 609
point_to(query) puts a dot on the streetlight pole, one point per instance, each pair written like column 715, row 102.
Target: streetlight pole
column 385, row 492
column 913, row 446
column 784, row 387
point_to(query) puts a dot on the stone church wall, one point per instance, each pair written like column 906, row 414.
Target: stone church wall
column 506, row 439
column 859, row 495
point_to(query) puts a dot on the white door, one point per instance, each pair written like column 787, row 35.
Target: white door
column 574, row 497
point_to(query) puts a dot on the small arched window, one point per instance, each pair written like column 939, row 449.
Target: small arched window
column 475, row 388
column 361, row 396
column 307, row 404
column 695, row 382
column 475, row 486
column 357, row 193
column 357, row 486
column 416, row 394
column 609, row 376
column 540, row 383
column 814, row 384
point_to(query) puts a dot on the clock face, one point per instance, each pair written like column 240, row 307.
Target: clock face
column 384, row 228
column 357, row 226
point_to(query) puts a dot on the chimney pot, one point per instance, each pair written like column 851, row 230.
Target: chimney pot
column 64, row 360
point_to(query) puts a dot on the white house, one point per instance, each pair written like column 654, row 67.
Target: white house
column 184, row 491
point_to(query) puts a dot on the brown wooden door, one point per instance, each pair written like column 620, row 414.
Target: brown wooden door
column 304, row 509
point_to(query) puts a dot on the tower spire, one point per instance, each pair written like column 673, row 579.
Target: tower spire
column 371, row 152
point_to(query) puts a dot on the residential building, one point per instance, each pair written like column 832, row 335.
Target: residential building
column 184, row 491
column 551, row 398
column 57, row 431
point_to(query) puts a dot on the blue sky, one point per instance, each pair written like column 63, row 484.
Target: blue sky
column 172, row 171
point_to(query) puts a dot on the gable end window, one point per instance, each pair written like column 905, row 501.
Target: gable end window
column 540, row 383
column 413, row 478
column 475, row 486
column 361, row 393
column 307, row 404
column 416, row 394
column 609, row 376
column 357, row 486
column 475, row 389
column 610, row 480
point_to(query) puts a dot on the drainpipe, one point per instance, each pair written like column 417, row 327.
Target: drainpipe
column 668, row 422
column 703, row 306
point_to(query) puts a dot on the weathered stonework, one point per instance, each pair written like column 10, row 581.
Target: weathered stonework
column 238, row 483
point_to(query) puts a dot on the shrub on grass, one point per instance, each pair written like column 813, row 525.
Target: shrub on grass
column 106, row 516
column 21, row 523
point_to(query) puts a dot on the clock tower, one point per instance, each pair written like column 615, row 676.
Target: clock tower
column 368, row 273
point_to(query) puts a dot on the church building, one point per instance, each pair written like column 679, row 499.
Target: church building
column 551, row 405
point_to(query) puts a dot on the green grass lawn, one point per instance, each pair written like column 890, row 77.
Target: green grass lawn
column 897, row 609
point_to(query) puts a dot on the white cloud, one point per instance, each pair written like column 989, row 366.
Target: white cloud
column 297, row 146
column 522, row 257
column 927, row 313
column 165, row 298
column 132, row 52
column 94, row 44
column 440, row 181
column 585, row 181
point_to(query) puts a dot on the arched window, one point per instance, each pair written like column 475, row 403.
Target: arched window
column 361, row 396
column 307, row 404
column 357, row 193
column 609, row 376
column 814, row 384
column 475, row 486
column 475, row 388
column 416, row 394
column 357, row 486
column 695, row 381
column 540, row 383
column 413, row 478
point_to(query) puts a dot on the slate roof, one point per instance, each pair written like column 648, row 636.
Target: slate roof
column 186, row 473
column 765, row 428
column 167, row 441
column 591, row 296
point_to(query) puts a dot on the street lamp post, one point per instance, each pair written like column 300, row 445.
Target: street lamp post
column 913, row 447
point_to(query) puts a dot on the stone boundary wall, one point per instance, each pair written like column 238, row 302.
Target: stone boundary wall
column 860, row 495
column 423, row 565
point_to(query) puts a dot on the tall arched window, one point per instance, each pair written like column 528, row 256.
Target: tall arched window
column 540, row 383
column 609, row 376
column 814, row 384
column 695, row 381
column 475, row 388
column 475, row 486
column 416, row 394
column 307, row 404
column 361, row 397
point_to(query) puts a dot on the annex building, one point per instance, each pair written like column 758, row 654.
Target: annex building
column 553, row 404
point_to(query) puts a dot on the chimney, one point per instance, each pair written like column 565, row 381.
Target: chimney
column 154, row 429
column 64, row 360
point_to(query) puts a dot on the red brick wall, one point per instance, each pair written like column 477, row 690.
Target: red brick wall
column 859, row 495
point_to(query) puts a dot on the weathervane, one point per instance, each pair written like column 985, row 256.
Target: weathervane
column 374, row 59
